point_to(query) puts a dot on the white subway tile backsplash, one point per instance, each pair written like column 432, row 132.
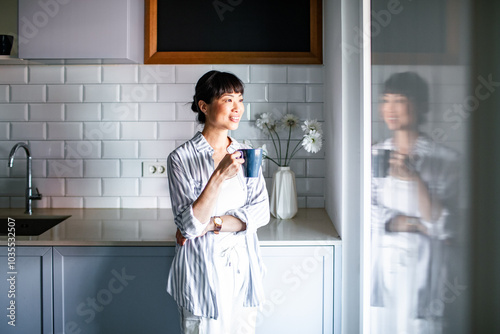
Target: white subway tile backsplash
column 83, row 74
column 120, row 149
column 190, row 73
column 154, row 187
column 138, row 93
column 256, row 109
column 130, row 168
column 256, row 93
column 314, row 93
column 44, row 74
column 4, row 131
column 120, row 74
column 49, row 186
column 14, row 112
column 65, row 130
column 4, row 93
column 175, row 92
column 157, row 111
column 138, row 130
column 12, row 186
column 65, row 168
column 120, row 187
column 84, row 149
column 46, row 112
column 241, row 71
column 164, row 203
column 315, row 202
column 101, row 202
column 67, row 202
column 47, row 149
column 19, row 167
column 101, row 168
column 28, row 131
column 157, row 74
column 305, row 74
column 120, row 111
column 268, row 74
column 183, row 112
column 307, row 110
column 65, row 93
column 287, row 93
column 316, row 167
column 91, row 126
column 101, row 130
column 28, row 93
column 13, row 74
column 101, row 93
column 83, row 187
column 83, row 112
column 158, row 149
column 176, row 130
column 310, row 186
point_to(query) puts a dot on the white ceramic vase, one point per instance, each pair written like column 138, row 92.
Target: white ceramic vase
column 284, row 194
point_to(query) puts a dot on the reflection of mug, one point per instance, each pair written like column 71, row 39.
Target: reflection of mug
column 6, row 44
column 253, row 161
column 380, row 162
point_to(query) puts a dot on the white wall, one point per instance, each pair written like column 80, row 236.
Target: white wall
column 89, row 128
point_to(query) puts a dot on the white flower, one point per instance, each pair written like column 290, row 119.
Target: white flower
column 266, row 122
column 312, row 141
column 248, row 142
column 264, row 151
column 311, row 125
column 290, row 121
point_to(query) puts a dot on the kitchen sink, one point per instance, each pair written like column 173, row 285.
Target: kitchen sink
column 29, row 225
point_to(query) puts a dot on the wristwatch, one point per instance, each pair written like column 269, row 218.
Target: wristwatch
column 218, row 224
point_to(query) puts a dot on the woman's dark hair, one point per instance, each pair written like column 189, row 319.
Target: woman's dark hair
column 213, row 85
column 411, row 85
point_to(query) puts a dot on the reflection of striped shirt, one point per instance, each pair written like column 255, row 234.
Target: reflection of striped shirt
column 190, row 280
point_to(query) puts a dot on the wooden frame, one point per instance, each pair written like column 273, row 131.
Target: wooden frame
column 153, row 56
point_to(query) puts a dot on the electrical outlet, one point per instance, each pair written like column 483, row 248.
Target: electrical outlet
column 154, row 169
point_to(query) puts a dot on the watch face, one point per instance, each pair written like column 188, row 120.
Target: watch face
column 218, row 220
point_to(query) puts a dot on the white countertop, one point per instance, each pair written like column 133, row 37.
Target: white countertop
column 155, row 227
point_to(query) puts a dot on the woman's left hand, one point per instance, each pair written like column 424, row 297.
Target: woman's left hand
column 181, row 240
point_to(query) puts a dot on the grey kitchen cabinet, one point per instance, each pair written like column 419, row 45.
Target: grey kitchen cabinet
column 26, row 290
column 113, row 290
column 122, row 290
column 111, row 31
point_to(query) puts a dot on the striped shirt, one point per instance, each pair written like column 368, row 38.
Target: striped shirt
column 190, row 280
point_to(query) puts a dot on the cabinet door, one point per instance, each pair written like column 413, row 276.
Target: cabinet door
column 26, row 284
column 299, row 286
column 113, row 290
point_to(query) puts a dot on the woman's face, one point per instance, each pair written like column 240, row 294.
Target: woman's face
column 398, row 112
column 225, row 112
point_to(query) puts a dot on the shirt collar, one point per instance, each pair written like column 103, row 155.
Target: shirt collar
column 202, row 144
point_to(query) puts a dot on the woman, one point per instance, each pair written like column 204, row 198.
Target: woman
column 410, row 215
column 216, row 274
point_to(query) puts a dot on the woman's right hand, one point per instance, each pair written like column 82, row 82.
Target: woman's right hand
column 229, row 166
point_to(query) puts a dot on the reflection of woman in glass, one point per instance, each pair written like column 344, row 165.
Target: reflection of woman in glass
column 410, row 215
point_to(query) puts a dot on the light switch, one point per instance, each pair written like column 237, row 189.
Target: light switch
column 154, row 169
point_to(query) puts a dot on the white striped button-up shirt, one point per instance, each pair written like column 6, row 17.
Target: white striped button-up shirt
column 190, row 280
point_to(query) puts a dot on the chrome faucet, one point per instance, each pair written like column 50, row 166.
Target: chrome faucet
column 29, row 191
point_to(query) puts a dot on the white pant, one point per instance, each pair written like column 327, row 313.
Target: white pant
column 231, row 272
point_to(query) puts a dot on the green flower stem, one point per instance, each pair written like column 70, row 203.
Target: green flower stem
column 288, row 143
column 279, row 144
column 295, row 150
column 271, row 134
column 277, row 164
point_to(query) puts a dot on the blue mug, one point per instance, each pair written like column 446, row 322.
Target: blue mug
column 253, row 161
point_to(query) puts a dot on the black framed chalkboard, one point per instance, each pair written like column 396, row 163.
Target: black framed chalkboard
column 233, row 31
